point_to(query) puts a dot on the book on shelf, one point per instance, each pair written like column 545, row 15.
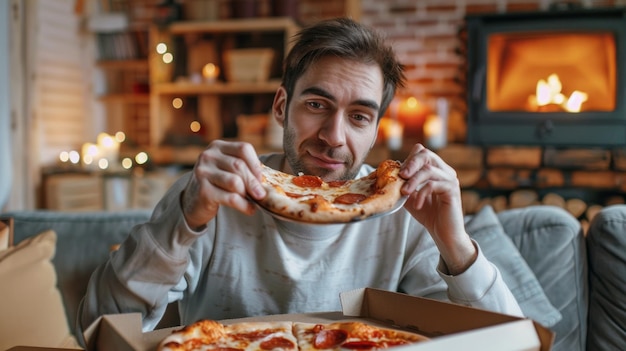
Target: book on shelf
column 121, row 46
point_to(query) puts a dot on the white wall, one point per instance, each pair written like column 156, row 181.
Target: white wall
column 5, row 111
column 45, row 93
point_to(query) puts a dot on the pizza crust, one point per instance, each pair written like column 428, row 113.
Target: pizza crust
column 316, row 204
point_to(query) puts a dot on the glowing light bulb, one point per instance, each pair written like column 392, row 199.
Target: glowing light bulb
column 74, row 156
column 103, row 163
column 195, row 126
column 141, row 158
column 64, row 156
column 177, row 103
column 120, row 137
column 161, row 48
column 127, row 163
column 168, row 57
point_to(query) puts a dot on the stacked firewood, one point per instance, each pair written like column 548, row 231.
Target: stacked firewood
column 508, row 177
column 579, row 208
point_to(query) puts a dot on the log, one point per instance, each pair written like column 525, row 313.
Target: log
column 591, row 159
column 499, row 203
column 576, row 207
column 597, row 180
column 592, row 211
column 469, row 201
column 509, row 178
column 529, row 157
column 619, row 159
column 553, row 199
column 523, row 198
column 547, row 177
column 468, row 177
column 462, row 156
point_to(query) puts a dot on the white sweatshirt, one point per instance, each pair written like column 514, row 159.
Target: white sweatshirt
column 255, row 265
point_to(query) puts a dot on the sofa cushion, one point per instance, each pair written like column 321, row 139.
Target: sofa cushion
column 551, row 241
column 84, row 240
column 486, row 229
column 606, row 243
column 32, row 310
column 6, row 229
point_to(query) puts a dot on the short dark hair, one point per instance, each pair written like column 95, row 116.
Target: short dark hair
column 344, row 38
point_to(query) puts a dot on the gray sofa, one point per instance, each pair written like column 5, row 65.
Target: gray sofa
column 548, row 239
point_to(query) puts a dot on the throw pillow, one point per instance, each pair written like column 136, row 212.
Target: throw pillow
column 486, row 230
column 6, row 233
column 31, row 305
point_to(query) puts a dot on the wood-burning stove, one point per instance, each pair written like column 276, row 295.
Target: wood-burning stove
column 552, row 78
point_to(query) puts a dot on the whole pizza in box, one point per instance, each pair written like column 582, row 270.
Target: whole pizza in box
column 208, row 335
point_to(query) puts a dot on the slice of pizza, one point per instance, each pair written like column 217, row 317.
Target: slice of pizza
column 308, row 198
column 208, row 335
column 350, row 336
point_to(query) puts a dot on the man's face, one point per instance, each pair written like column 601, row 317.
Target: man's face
column 332, row 119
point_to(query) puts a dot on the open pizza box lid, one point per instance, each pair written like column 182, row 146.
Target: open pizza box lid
column 450, row 326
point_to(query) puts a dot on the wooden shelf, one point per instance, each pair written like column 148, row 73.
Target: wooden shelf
column 126, row 98
column 217, row 88
column 234, row 26
column 138, row 64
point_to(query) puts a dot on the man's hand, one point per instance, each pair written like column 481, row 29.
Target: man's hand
column 226, row 173
column 435, row 201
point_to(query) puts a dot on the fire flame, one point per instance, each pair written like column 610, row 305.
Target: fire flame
column 548, row 92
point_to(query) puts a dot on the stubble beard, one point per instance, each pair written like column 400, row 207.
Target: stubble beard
column 297, row 166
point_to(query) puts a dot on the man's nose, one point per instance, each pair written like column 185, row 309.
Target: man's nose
column 333, row 131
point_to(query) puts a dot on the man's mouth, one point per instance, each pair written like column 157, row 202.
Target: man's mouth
column 326, row 162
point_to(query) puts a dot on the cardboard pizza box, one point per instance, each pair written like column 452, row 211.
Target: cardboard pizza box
column 450, row 326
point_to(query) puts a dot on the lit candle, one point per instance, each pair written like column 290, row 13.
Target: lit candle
column 64, row 156
column 412, row 113
column 109, row 148
column 90, row 154
column 433, row 131
column 436, row 126
column 210, row 72
column 394, row 130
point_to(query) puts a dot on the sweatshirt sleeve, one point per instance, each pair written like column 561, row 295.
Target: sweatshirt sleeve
column 147, row 271
column 480, row 286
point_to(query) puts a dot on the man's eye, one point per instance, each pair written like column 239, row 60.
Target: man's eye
column 360, row 118
column 315, row 104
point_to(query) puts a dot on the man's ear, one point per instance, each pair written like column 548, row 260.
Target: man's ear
column 279, row 106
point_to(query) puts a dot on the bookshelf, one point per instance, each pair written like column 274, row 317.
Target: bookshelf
column 125, row 98
column 217, row 104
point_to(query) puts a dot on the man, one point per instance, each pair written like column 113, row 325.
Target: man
column 208, row 248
